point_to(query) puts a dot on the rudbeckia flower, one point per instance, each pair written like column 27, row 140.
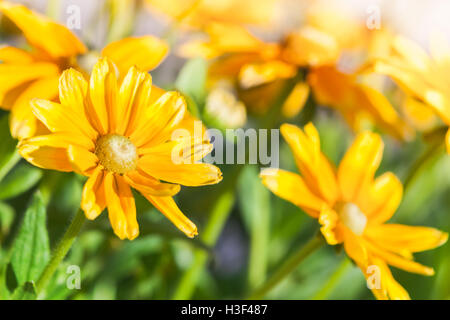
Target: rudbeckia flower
column 314, row 49
column 120, row 135
column 424, row 78
column 27, row 74
column 353, row 206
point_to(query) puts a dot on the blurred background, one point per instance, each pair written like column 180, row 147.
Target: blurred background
column 253, row 230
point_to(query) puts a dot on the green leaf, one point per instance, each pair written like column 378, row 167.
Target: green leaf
column 254, row 201
column 8, row 153
column 23, row 178
column 31, row 249
column 6, row 218
column 26, row 291
column 192, row 79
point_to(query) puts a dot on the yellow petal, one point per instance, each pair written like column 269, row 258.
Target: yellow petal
column 390, row 288
column 149, row 185
column 161, row 118
column 168, row 207
column 355, row 248
column 357, row 168
column 57, row 118
column 23, row 123
column 72, row 95
column 134, row 99
column 83, row 161
column 315, row 168
column 103, row 94
column 296, row 100
column 146, row 53
column 380, row 200
column 397, row 238
column 41, row 32
column 161, row 163
column 48, row 152
column 398, row 261
column 328, row 220
column 14, row 55
column 252, row 75
column 121, row 207
column 291, row 187
column 93, row 200
column 311, row 47
column 15, row 75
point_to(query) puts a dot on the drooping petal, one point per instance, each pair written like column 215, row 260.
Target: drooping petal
column 121, row 207
column 355, row 248
column 93, row 200
column 169, row 163
column 168, row 207
column 146, row 53
column 292, row 187
column 315, row 168
column 447, row 141
column 41, row 32
column 23, row 123
column 388, row 287
column 398, row 261
column 380, row 200
column 357, row 168
column 398, row 238
column 149, row 185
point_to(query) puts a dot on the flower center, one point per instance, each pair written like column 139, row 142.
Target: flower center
column 353, row 218
column 116, row 153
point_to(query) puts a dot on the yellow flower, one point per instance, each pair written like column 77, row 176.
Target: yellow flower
column 198, row 13
column 425, row 78
column 352, row 206
column 239, row 55
column 28, row 74
column 119, row 134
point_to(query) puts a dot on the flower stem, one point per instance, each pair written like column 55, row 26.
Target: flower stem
column 61, row 251
column 333, row 280
column 219, row 216
column 428, row 156
column 287, row 267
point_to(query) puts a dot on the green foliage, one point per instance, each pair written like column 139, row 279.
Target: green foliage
column 31, row 249
column 21, row 179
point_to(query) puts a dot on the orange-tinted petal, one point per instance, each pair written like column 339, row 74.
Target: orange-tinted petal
column 168, row 207
column 145, row 52
column 93, row 200
column 291, row 187
column 121, row 207
column 357, row 168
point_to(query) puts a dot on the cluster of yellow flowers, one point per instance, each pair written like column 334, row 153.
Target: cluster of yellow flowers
column 115, row 127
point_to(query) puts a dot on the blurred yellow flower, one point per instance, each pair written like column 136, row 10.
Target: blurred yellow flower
column 119, row 134
column 198, row 13
column 317, row 49
column 425, row 78
column 26, row 74
column 352, row 206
